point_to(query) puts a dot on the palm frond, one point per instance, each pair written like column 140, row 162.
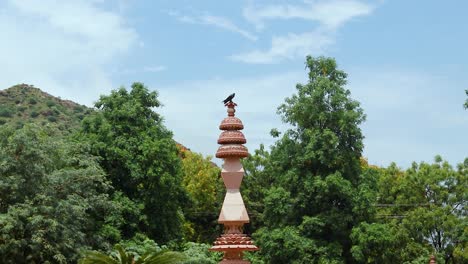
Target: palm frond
column 95, row 257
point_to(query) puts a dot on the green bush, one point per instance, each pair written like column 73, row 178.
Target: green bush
column 52, row 119
column 34, row 114
column 78, row 109
column 56, row 111
column 198, row 254
column 50, row 103
column 21, row 108
column 19, row 124
column 6, row 111
column 2, row 122
column 32, row 101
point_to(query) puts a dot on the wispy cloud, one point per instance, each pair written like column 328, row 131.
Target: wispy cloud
column 288, row 47
column 216, row 21
column 329, row 15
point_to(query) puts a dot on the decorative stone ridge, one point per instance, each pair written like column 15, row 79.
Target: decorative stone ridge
column 232, row 136
column 234, row 241
column 231, row 123
column 233, row 213
column 228, row 151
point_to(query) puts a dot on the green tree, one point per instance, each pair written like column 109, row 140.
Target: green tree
column 314, row 173
column 141, row 159
column 440, row 192
column 258, row 177
column 421, row 211
column 53, row 200
column 199, row 254
column 202, row 182
column 387, row 243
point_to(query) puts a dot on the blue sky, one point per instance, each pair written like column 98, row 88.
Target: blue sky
column 407, row 63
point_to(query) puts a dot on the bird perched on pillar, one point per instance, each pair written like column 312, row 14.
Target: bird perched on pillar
column 229, row 98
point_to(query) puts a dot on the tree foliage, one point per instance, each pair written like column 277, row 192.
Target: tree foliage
column 54, row 199
column 204, row 188
column 421, row 210
column 313, row 172
column 141, row 159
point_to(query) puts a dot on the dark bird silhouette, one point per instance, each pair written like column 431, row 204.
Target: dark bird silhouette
column 229, row 98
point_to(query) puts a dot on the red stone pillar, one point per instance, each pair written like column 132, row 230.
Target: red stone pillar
column 233, row 213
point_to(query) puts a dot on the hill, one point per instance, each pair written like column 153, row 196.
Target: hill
column 23, row 103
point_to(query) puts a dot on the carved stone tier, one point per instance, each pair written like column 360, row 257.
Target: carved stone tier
column 231, row 123
column 234, row 241
column 232, row 137
column 232, row 150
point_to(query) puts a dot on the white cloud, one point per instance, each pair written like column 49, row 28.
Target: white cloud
column 45, row 42
column 288, row 47
column 226, row 24
column 216, row 21
column 329, row 15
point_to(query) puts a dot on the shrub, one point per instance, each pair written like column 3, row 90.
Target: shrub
column 50, row 103
column 34, row 114
column 56, row 111
column 52, row 119
column 78, row 109
column 19, row 124
column 6, row 111
column 32, row 101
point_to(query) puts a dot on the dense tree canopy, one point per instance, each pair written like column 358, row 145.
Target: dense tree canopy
column 422, row 211
column 314, row 198
column 314, row 172
column 54, row 199
column 141, row 159
column 205, row 190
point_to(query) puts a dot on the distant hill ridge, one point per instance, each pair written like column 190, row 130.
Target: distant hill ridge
column 24, row 103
